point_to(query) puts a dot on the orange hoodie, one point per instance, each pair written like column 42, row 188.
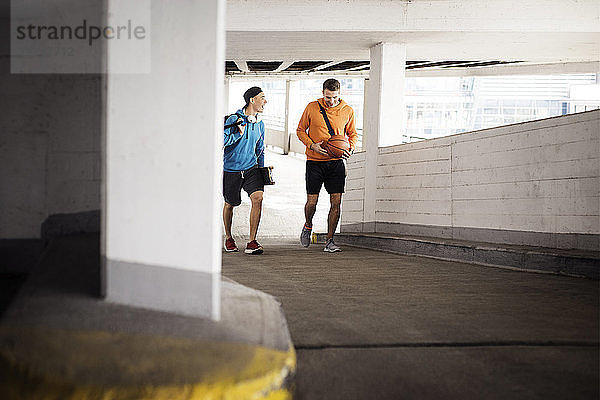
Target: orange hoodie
column 341, row 118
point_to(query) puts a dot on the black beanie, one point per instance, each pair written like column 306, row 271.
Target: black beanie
column 250, row 93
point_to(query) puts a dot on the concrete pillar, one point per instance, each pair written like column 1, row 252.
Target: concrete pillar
column 370, row 142
column 226, row 94
column 291, row 103
column 286, row 124
column 163, row 164
column 384, row 111
column 386, row 101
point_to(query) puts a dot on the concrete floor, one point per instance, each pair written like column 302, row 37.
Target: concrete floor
column 372, row 325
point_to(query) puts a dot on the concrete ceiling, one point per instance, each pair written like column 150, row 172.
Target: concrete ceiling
column 511, row 36
column 565, row 33
column 437, row 46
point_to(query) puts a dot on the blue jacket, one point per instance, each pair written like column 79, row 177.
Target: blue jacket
column 243, row 151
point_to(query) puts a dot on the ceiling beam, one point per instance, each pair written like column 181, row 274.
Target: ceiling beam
column 510, row 69
column 368, row 65
column 284, row 65
column 327, row 65
column 242, row 65
column 299, row 75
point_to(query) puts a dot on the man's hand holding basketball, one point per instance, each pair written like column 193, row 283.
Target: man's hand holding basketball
column 347, row 153
column 317, row 147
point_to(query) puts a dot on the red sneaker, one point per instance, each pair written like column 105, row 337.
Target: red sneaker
column 253, row 247
column 230, row 245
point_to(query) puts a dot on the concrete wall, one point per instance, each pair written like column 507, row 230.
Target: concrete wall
column 50, row 126
column 274, row 137
column 49, row 149
column 533, row 183
column 353, row 199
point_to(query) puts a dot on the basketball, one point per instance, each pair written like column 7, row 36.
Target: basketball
column 336, row 145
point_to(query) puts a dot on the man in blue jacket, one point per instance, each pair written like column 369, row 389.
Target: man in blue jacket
column 243, row 153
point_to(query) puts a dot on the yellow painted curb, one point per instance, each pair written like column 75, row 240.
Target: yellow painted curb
column 55, row 364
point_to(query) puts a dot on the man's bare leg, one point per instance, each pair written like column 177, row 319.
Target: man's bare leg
column 334, row 213
column 227, row 219
column 256, row 198
column 310, row 208
column 309, row 211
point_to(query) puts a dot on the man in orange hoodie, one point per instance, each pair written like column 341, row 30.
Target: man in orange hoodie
column 321, row 168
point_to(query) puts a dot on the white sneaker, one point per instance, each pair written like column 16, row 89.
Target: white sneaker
column 331, row 247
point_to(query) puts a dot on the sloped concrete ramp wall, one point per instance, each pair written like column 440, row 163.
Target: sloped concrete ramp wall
column 534, row 183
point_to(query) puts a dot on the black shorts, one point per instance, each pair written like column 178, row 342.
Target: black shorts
column 331, row 173
column 233, row 182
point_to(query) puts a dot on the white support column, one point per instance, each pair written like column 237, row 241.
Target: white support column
column 292, row 87
column 384, row 112
column 163, row 166
column 226, row 94
column 370, row 142
column 286, row 125
column 387, row 75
